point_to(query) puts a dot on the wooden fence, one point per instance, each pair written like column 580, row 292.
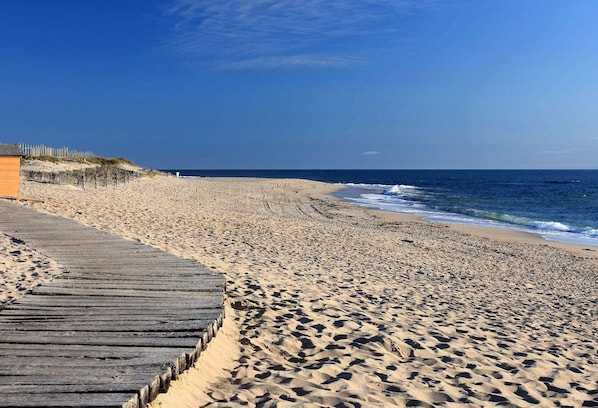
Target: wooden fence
column 41, row 150
column 94, row 177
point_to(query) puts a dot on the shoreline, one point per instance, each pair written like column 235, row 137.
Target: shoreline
column 332, row 303
column 516, row 232
column 496, row 233
column 499, row 234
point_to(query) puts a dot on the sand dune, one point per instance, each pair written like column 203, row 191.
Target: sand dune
column 330, row 304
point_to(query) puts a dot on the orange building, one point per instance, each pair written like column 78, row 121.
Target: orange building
column 10, row 168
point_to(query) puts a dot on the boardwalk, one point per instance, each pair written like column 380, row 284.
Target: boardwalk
column 113, row 330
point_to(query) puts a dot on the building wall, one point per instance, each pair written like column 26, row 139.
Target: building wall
column 10, row 167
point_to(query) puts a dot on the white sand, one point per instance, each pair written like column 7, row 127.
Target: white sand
column 21, row 269
column 334, row 304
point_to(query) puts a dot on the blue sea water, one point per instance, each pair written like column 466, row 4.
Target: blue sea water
column 559, row 205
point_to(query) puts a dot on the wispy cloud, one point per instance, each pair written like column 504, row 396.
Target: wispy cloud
column 290, row 61
column 251, row 34
column 565, row 151
column 371, row 153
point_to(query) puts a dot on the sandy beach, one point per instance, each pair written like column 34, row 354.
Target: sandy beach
column 330, row 304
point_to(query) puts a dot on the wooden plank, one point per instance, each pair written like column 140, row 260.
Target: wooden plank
column 67, row 363
column 77, row 380
column 116, row 311
column 207, row 302
column 93, row 320
column 173, row 286
column 140, row 374
column 65, row 400
column 43, row 313
column 116, row 293
column 37, row 387
column 107, row 326
column 124, row 317
column 103, row 352
column 160, row 277
column 141, row 339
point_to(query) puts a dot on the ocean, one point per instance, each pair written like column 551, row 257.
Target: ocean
column 559, row 205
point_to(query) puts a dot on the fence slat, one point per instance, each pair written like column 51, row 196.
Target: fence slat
column 41, row 150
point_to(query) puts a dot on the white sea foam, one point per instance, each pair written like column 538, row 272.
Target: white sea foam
column 550, row 226
column 367, row 186
column 404, row 199
column 401, row 189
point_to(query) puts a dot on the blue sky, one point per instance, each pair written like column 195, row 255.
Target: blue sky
column 259, row 84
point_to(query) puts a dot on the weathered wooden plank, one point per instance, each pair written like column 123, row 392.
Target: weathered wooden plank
column 118, row 258
column 162, row 273
column 148, row 272
column 168, row 310
column 84, row 362
column 208, row 284
column 146, row 339
column 115, row 293
column 123, row 317
column 42, row 385
column 106, row 353
column 38, row 387
column 105, row 313
column 107, row 326
column 207, row 302
column 172, row 322
column 140, row 374
column 142, row 278
column 66, row 400
column 71, row 381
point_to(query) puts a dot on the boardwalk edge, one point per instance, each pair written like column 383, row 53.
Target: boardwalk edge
column 184, row 362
